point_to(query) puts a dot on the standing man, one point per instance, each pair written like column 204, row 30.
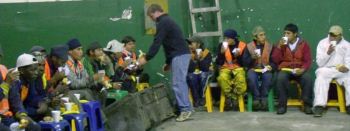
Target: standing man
column 333, row 60
column 293, row 58
column 177, row 56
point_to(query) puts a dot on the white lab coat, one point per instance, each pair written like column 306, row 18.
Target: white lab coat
column 327, row 71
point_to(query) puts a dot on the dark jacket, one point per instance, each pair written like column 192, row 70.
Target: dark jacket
column 202, row 64
column 250, row 62
column 169, row 34
column 36, row 94
column 242, row 60
column 299, row 58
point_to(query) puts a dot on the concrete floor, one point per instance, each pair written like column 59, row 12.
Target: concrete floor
column 293, row 120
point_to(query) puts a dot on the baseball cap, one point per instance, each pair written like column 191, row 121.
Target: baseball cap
column 114, row 46
column 336, row 30
column 25, row 60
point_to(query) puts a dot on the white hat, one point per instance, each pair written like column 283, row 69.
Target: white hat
column 25, row 60
column 114, row 46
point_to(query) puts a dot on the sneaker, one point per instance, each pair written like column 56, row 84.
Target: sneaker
column 256, row 105
column 348, row 110
column 228, row 104
column 235, row 104
column 263, row 105
column 281, row 110
column 183, row 116
column 308, row 110
column 318, row 111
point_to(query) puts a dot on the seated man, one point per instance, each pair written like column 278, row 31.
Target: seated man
column 333, row 60
column 128, row 62
column 6, row 115
column 21, row 92
column 78, row 76
column 198, row 70
column 54, row 61
column 230, row 59
column 259, row 52
column 293, row 57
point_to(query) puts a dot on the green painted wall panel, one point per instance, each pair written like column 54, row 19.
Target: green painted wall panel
column 25, row 24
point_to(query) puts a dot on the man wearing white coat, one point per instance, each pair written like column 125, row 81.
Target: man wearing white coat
column 333, row 60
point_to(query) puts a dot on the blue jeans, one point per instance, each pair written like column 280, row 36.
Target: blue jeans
column 179, row 69
column 197, row 84
column 260, row 92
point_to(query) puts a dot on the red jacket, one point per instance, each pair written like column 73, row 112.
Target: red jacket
column 299, row 58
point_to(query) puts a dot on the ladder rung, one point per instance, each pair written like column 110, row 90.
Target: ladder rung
column 208, row 33
column 205, row 9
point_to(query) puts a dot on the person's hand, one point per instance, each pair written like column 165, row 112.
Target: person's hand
column 142, row 61
column 343, row 69
column 43, row 107
column 223, row 49
column 330, row 50
column 237, row 52
column 23, row 122
column 299, row 71
column 117, row 85
column 61, row 89
column 11, row 76
column 58, row 76
column 96, row 77
column 255, row 55
column 166, row 67
column 124, row 65
column 281, row 42
column 55, row 101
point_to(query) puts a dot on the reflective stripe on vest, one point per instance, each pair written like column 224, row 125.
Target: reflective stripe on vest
column 3, row 71
column 24, row 92
column 47, row 71
column 5, row 107
column 231, row 62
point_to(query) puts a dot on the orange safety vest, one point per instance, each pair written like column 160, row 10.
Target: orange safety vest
column 265, row 56
column 72, row 67
column 4, row 103
column 3, row 71
column 231, row 63
column 47, row 71
column 5, row 107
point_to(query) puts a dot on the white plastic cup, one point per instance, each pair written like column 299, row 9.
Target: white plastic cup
column 56, row 115
column 198, row 51
column 68, row 106
column 285, row 38
column 257, row 51
column 137, row 80
column 15, row 127
column 235, row 50
column 101, row 74
column 333, row 43
column 65, row 99
column 77, row 96
column 225, row 44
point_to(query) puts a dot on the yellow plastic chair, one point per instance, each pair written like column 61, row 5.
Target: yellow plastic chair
column 208, row 96
column 222, row 102
column 208, row 99
column 296, row 102
column 340, row 102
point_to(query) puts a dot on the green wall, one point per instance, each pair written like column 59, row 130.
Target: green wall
column 25, row 24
